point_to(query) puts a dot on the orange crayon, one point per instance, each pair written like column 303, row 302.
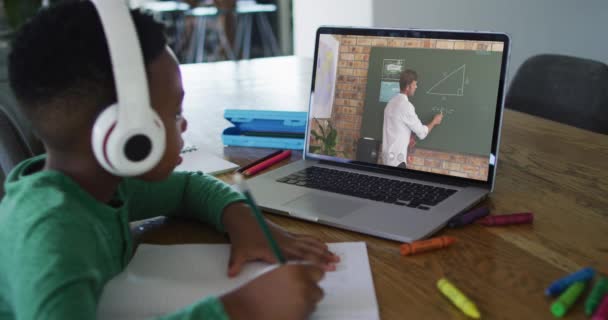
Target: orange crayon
column 426, row 245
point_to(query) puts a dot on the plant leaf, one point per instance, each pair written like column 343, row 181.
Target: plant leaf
column 331, row 128
column 316, row 135
column 332, row 137
column 320, row 127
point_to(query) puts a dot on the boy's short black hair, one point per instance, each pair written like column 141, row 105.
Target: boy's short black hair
column 60, row 68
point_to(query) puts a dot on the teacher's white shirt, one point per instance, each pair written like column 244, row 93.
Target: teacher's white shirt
column 400, row 120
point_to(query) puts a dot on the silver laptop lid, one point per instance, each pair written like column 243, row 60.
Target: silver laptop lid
column 362, row 107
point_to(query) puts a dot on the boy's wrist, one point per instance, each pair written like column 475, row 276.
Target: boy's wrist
column 235, row 216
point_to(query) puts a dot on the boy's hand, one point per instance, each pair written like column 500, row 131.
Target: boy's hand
column 250, row 244
column 288, row 292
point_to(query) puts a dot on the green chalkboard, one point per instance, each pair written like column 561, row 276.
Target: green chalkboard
column 461, row 83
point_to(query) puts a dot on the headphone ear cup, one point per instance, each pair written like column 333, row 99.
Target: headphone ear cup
column 141, row 146
column 129, row 150
column 103, row 127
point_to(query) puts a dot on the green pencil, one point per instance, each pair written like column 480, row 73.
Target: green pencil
column 240, row 181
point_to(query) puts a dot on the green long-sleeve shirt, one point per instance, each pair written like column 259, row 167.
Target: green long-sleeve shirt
column 59, row 246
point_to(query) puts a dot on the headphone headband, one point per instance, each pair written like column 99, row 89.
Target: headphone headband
column 128, row 137
column 127, row 60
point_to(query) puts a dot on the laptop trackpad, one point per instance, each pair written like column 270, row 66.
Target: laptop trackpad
column 324, row 205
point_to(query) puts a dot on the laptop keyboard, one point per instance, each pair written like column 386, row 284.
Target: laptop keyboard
column 402, row 193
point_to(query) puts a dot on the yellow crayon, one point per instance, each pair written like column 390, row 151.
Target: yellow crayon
column 458, row 298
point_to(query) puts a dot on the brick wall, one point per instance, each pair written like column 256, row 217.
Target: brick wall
column 460, row 165
column 349, row 102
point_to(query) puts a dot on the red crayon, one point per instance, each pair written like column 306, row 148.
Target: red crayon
column 507, row 219
column 601, row 313
column 261, row 166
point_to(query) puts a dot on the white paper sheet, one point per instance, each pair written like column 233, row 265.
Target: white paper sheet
column 197, row 159
column 163, row 279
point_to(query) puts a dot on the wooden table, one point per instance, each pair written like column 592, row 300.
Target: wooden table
column 556, row 171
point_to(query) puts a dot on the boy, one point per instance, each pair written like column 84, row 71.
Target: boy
column 64, row 228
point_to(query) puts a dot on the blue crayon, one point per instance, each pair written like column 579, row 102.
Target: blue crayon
column 469, row 217
column 562, row 284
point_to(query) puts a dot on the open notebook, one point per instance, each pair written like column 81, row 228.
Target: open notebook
column 197, row 159
column 163, row 279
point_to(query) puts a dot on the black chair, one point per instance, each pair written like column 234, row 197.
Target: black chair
column 17, row 142
column 12, row 148
column 566, row 89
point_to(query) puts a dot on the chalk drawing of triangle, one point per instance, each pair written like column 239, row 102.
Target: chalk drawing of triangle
column 451, row 85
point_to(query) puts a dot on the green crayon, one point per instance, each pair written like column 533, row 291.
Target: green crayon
column 595, row 297
column 567, row 299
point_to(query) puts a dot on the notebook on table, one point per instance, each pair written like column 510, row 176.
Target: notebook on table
column 153, row 284
column 360, row 171
column 198, row 159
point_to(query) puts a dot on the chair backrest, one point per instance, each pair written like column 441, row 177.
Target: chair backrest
column 1, row 185
column 17, row 141
column 566, row 89
column 12, row 146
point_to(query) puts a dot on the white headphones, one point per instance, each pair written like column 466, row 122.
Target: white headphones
column 128, row 137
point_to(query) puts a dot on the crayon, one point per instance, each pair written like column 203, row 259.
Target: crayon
column 567, row 299
column 256, row 162
column 595, row 297
column 426, row 245
column 267, row 163
column 507, row 219
column 560, row 285
column 469, row 217
column 602, row 311
column 458, row 298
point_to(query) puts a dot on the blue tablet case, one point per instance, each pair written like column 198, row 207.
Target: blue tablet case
column 266, row 123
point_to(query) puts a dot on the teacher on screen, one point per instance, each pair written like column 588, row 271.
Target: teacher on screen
column 400, row 120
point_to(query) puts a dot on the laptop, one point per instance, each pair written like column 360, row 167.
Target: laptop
column 360, row 171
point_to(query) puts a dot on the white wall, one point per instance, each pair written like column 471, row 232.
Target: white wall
column 308, row 15
column 569, row 27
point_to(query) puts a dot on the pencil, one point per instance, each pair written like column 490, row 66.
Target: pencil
column 258, row 216
column 241, row 169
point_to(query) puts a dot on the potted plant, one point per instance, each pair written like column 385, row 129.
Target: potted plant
column 327, row 137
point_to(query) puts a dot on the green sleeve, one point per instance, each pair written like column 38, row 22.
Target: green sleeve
column 55, row 282
column 210, row 308
column 192, row 194
column 55, row 277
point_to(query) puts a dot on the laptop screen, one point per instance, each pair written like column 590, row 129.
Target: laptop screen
column 418, row 100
